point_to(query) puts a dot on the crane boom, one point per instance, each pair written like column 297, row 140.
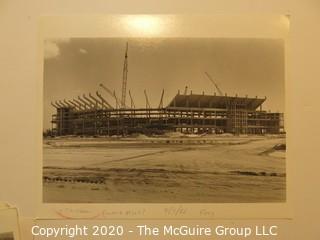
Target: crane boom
column 124, row 79
column 214, row 83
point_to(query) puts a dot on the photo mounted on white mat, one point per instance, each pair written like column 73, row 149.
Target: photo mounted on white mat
column 150, row 115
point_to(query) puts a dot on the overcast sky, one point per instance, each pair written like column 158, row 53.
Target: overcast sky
column 73, row 67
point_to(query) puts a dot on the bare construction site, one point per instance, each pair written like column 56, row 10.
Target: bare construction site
column 197, row 147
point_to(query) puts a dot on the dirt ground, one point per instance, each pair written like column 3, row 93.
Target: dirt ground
column 168, row 169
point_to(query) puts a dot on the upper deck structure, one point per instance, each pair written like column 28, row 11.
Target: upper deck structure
column 188, row 113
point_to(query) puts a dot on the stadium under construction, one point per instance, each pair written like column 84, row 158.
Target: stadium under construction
column 190, row 113
column 91, row 115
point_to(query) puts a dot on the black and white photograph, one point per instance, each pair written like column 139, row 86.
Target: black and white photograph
column 164, row 120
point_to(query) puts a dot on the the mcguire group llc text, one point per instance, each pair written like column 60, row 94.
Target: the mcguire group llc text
column 148, row 230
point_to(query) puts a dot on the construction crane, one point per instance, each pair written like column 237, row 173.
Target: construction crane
column 214, row 83
column 124, row 79
column 131, row 100
column 161, row 99
column 147, row 100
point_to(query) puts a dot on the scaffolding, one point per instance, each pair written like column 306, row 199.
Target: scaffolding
column 185, row 113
